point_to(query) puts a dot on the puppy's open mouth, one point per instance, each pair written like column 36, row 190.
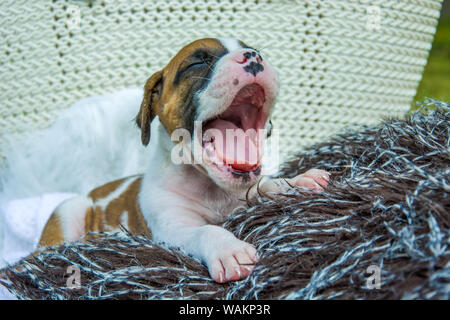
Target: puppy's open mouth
column 234, row 139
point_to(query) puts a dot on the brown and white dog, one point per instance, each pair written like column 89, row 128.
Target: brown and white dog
column 224, row 85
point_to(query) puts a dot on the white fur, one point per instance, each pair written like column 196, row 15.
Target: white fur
column 94, row 141
column 219, row 94
column 124, row 219
column 230, row 44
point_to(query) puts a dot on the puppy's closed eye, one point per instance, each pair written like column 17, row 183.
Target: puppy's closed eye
column 200, row 57
column 196, row 63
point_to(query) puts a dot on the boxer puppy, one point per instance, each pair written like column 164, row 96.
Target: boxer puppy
column 211, row 88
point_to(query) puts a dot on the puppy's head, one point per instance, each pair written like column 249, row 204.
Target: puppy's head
column 221, row 91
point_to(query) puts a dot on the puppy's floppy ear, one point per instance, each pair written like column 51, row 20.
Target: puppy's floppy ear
column 152, row 91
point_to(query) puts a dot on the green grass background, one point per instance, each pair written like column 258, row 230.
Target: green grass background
column 435, row 82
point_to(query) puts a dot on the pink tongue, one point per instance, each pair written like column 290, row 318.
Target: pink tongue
column 242, row 153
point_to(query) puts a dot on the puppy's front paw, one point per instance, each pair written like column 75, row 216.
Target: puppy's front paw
column 314, row 179
column 232, row 261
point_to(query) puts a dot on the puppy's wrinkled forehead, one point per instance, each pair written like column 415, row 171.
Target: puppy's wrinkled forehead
column 208, row 49
column 189, row 72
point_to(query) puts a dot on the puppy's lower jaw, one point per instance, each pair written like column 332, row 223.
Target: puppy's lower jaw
column 230, row 179
column 232, row 141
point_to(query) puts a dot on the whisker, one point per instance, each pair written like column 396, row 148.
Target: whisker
column 209, row 66
column 198, row 77
column 214, row 56
column 260, row 50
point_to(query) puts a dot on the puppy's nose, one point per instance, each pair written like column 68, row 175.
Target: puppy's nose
column 248, row 56
column 251, row 61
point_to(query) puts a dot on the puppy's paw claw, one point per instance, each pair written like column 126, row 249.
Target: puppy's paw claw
column 233, row 262
column 315, row 179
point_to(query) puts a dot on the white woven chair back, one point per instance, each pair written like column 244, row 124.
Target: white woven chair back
column 341, row 62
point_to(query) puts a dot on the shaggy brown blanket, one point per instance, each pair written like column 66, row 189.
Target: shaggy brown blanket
column 380, row 231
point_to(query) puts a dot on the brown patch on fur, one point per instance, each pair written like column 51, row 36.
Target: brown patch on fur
column 53, row 233
column 93, row 220
column 136, row 221
column 110, row 218
column 105, row 190
column 97, row 219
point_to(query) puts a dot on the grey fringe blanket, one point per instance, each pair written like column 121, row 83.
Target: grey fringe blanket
column 380, row 231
